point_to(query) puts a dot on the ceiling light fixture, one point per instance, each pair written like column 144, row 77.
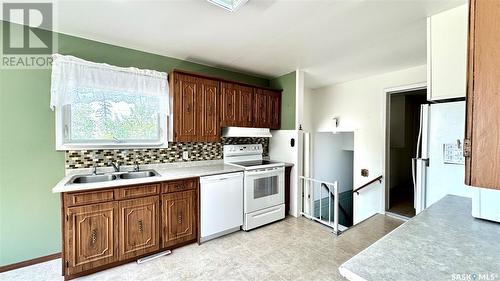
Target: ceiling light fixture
column 229, row 5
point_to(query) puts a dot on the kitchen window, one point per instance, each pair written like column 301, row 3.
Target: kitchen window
column 103, row 106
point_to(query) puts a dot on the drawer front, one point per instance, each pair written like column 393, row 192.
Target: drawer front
column 90, row 197
column 137, row 191
column 181, row 185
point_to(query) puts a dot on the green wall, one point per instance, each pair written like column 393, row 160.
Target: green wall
column 287, row 83
column 29, row 164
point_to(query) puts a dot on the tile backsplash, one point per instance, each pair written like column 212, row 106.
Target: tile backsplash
column 198, row 151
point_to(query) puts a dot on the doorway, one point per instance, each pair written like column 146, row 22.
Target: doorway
column 403, row 133
column 333, row 160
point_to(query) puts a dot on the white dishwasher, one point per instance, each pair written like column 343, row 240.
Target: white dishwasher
column 221, row 201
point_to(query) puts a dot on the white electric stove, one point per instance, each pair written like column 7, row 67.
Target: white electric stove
column 263, row 185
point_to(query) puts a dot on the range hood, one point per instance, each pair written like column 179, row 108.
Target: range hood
column 246, row 132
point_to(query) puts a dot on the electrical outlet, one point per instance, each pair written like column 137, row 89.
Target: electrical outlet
column 364, row 172
column 185, row 155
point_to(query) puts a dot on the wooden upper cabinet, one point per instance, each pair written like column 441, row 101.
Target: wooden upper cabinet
column 261, row 109
column 202, row 105
column 267, row 109
column 185, row 111
column 139, row 221
column 91, row 236
column 237, row 105
column 275, row 110
column 245, row 105
column 482, row 144
column 229, row 104
column 209, row 111
column 196, row 106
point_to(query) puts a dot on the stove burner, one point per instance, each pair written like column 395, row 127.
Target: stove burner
column 254, row 163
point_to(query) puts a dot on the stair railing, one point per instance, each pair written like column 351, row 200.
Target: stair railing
column 346, row 214
column 309, row 212
column 379, row 178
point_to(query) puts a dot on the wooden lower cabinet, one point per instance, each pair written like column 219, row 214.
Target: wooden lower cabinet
column 120, row 229
column 179, row 215
column 139, row 231
column 91, row 236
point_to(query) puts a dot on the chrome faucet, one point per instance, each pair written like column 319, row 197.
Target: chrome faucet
column 136, row 166
column 116, row 165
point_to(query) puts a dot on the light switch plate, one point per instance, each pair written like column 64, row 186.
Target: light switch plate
column 185, row 155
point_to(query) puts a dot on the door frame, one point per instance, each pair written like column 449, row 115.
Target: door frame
column 386, row 125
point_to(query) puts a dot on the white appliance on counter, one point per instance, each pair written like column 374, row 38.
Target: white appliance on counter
column 264, row 184
column 438, row 168
column 221, row 205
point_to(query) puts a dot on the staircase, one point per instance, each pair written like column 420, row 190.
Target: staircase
column 345, row 208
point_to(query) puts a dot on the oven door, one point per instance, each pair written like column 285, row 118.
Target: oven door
column 264, row 188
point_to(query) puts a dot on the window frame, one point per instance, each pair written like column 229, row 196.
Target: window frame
column 63, row 117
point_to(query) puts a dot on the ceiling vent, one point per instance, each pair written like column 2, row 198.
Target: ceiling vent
column 229, row 5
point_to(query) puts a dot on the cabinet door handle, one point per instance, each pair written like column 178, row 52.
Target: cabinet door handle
column 179, row 218
column 93, row 236
column 141, row 226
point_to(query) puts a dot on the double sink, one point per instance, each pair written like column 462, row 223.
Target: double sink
column 112, row 176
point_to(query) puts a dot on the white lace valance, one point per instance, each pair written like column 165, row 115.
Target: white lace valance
column 70, row 74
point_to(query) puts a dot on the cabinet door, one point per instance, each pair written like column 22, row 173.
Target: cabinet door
column 229, row 104
column 275, row 110
column 483, row 96
column 447, row 54
column 209, row 109
column 185, row 115
column 91, row 236
column 179, row 217
column 139, row 226
column 262, row 109
column 245, row 104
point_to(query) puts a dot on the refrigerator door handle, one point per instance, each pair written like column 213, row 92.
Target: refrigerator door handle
column 413, row 176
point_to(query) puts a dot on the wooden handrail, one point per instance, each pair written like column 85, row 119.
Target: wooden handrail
column 379, row 178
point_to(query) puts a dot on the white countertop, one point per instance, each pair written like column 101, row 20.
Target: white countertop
column 168, row 171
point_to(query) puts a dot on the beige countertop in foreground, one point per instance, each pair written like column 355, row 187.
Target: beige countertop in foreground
column 169, row 171
column 444, row 242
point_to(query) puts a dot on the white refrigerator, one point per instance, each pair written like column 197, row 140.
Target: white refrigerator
column 438, row 166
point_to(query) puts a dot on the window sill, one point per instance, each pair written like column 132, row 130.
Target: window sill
column 64, row 147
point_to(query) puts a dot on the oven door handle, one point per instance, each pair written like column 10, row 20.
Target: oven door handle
column 251, row 173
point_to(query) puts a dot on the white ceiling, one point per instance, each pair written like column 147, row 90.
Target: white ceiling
column 332, row 41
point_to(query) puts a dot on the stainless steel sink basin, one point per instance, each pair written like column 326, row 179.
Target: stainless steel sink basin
column 138, row 175
column 111, row 177
column 93, row 178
